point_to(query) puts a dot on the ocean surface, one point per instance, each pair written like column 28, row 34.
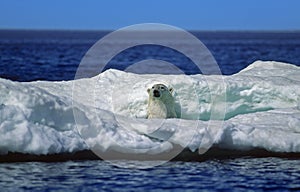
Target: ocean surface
column 243, row 174
column 254, row 111
column 55, row 55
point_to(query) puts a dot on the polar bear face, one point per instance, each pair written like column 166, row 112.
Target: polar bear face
column 159, row 90
column 161, row 102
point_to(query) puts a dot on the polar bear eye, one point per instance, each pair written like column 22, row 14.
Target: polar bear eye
column 153, row 87
column 162, row 88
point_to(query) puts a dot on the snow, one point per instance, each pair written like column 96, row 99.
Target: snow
column 257, row 108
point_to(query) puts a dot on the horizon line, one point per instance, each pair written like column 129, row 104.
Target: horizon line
column 191, row 30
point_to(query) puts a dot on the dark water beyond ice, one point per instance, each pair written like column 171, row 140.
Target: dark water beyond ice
column 55, row 55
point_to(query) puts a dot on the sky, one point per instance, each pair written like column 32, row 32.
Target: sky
column 115, row 14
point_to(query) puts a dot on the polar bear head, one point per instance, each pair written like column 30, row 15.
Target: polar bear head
column 159, row 91
column 161, row 102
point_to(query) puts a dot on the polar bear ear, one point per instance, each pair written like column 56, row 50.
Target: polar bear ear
column 171, row 90
column 148, row 90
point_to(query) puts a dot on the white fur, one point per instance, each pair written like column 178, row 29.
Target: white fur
column 162, row 106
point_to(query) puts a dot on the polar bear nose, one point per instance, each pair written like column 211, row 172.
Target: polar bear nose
column 156, row 93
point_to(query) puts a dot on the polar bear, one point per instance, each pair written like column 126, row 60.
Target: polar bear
column 161, row 102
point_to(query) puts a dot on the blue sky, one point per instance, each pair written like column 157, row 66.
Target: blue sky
column 113, row 14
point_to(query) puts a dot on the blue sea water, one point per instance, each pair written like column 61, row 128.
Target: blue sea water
column 55, row 55
column 243, row 174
